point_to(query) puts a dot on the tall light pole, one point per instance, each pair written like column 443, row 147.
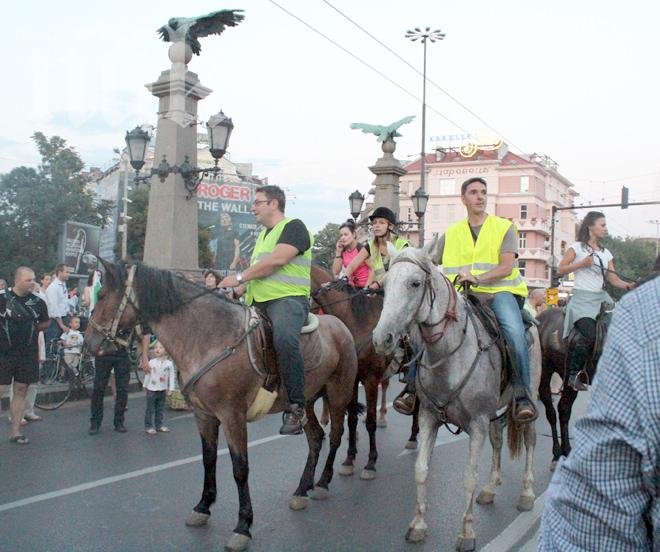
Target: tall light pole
column 657, row 234
column 424, row 36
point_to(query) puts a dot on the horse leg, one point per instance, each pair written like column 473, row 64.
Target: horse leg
column 526, row 500
column 478, row 428
column 347, row 465
column 411, row 444
column 236, row 433
column 429, row 431
column 371, row 393
column 545, row 395
column 564, row 408
column 337, row 410
column 325, row 413
column 487, row 494
column 382, row 413
column 314, row 433
column 208, row 431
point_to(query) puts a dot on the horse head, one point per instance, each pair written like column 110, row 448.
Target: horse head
column 115, row 312
column 410, row 292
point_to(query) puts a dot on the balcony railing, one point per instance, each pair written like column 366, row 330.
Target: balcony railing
column 533, row 225
column 533, row 253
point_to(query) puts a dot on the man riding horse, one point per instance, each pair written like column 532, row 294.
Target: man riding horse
column 482, row 250
column 278, row 284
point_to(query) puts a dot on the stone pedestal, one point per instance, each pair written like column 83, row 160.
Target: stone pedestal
column 388, row 170
column 171, row 235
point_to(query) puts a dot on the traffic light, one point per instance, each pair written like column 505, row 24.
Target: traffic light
column 624, row 197
column 554, row 279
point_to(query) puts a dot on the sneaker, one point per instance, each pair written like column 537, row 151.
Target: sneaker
column 94, row 429
column 524, row 411
column 293, row 420
column 120, row 428
column 406, row 404
column 150, row 431
column 163, row 429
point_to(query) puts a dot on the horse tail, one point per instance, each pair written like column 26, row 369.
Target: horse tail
column 355, row 407
column 514, row 436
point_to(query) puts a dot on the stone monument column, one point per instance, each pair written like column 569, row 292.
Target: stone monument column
column 388, row 170
column 171, row 235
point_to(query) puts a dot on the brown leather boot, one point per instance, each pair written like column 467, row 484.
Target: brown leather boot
column 293, row 420
column 405, row 404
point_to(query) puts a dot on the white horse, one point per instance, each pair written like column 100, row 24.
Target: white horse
column 458, row 379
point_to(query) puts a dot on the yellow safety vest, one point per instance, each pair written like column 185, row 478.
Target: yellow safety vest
column 292, row 280
column 461, row 253
column 377, row 260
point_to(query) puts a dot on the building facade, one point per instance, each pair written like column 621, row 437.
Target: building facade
column 520, row 188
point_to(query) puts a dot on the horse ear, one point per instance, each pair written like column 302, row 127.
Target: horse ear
column 432, row 250
column 392, row 251
column 110, row 273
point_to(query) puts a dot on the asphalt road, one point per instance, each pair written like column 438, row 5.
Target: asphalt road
column 68, row 491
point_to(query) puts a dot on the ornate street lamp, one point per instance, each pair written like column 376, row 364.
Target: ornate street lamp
column 219, row 128
column 423, row 36
column 355, row 201
column 419, row 200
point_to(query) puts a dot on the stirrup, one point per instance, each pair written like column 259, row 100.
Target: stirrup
column 579, row 381
column 405, row 403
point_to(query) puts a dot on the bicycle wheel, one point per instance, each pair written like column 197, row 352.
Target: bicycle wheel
column 54, row 394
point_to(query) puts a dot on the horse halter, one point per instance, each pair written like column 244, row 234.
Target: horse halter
column 110, row 332
column 450, row 313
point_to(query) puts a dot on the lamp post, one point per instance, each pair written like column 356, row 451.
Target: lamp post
column 419, row 200
column 355, row 202
column 424, row 36
column 657, row 234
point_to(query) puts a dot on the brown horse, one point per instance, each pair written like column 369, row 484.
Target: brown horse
column 200, row 328
column 360, row 312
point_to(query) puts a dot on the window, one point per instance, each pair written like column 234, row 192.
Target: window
column 409, row 214
column 447, row 186
column 524, row 184
column 522, row 266
column 435, row 213
column 523, row 211
column 522, row 240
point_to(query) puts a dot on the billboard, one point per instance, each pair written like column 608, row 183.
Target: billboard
column 79, row 247
column 224, row 208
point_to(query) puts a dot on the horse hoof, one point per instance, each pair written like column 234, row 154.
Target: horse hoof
column 237, row 542
column 319, row 493
column 466, row 545
column 411, row 445
column 485, row 497
column 368, row 475
column 345, row 470
column 382, row 422
column 298, row 503
column 415, row 535
column 525, row 503
column 197, row 519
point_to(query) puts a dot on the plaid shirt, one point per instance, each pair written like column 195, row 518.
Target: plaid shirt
column 604, row 496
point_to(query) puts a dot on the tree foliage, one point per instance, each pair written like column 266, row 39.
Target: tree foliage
column 35, row 203
column 325, row 240
column 633, row 258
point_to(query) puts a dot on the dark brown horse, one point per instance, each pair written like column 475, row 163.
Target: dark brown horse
column 360, row 312
column 208, row 337
column 554, row 349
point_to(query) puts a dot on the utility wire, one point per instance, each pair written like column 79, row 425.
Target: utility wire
column 354, row 56
column 445, row 92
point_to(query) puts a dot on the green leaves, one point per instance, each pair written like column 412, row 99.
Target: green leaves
column 323, row 250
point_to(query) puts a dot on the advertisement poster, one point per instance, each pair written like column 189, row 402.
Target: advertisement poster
column 79, row 247
column 224, row 208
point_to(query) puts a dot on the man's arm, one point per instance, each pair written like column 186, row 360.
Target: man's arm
column 507, row 259
column 271, row 263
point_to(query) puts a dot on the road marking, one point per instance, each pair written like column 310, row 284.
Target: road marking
column 517, row 529
column 116, row 478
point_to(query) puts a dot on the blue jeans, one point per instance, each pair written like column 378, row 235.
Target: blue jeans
column 155, row 409
column 288, row 315
column 507, row 311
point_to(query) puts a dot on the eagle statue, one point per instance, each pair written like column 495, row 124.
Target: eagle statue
column 189, row 29
column 384, row 133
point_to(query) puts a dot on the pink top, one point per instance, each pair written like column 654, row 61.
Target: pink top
column 361, row 274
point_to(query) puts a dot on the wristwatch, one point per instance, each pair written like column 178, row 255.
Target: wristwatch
column 239, row 277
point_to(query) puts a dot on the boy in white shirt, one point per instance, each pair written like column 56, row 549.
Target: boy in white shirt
column 72, row 341
column 158, row 382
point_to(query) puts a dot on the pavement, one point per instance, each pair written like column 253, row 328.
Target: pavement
column 70, row 491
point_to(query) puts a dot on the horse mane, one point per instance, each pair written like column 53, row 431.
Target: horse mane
column 361, row 302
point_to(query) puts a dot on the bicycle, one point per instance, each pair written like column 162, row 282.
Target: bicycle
column 59, row 381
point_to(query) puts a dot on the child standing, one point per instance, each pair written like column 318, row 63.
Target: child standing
column 72, row 341
column 158, row 382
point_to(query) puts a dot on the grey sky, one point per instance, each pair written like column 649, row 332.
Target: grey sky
column 577, row 81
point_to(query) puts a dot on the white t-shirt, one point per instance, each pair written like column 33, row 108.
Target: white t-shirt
column 590, row 278
column 161, row 376
column 73, row 341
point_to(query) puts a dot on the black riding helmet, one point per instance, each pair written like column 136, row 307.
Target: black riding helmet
column 383, row 212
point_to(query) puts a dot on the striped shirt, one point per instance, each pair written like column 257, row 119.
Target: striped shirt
column 604, row 496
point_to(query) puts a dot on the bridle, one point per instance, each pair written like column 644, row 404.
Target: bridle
column 111, row 331
column 450, row 313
